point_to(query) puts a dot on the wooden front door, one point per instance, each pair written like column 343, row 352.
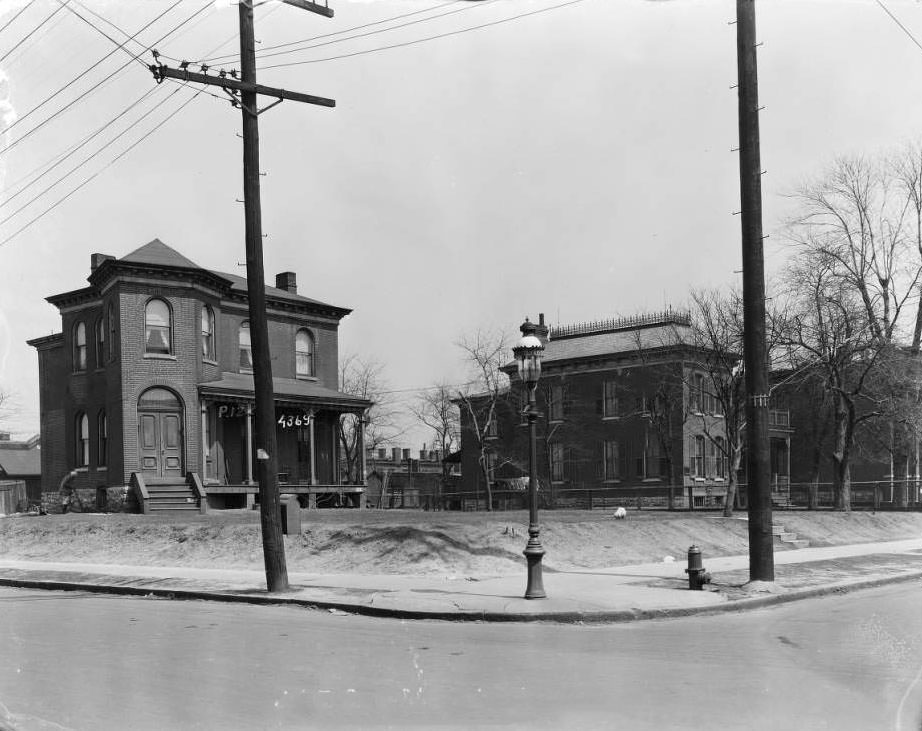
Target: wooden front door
column 160, row 443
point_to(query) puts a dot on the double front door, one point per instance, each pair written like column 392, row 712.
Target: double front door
column 160, row 443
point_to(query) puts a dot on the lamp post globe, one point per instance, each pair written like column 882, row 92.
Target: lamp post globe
column 528, row 352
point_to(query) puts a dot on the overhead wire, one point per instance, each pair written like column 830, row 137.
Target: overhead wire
column 133, row 38
column 98, row 172
column 99, row 84
column 11, row 20
column 897, row 21
column 74, row 169
column 262, row 54
column 61, row 157
column 34, row 30
column 82, row 74
column 336, row 33
column 424, row 40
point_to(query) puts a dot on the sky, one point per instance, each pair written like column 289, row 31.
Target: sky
column 485, row 162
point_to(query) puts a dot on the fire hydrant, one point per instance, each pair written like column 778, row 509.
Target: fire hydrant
column 697, row 575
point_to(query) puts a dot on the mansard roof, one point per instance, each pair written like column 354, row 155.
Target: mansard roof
column 618, row 342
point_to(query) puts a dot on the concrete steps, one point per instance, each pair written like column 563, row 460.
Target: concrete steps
column 172, row 497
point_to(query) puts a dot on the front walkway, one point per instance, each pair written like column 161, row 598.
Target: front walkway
column 605, row 595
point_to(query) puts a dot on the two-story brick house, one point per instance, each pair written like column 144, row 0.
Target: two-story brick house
column 152, row 375
column 624, row 404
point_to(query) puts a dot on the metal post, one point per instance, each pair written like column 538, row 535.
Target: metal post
column 761, row 556
column 534, row 552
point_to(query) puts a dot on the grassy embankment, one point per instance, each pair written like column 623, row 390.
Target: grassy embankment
column 457, row 544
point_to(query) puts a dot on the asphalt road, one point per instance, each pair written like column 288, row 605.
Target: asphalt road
column 79, row 661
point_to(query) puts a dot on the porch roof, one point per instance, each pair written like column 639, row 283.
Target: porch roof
column 240, row 386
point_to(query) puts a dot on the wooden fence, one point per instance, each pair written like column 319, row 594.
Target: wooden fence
column 13, row 497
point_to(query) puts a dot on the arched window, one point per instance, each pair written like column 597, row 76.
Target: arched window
column 159, row 399
column 304, row 353
column 246, row 349
column 100, row 342
column 208, row 333
column 158, row 335
column 82, row 440
column 110, row 316
column 80, row 346
column 102, row 426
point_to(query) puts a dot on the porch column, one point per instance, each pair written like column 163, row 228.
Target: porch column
column 313, row 454
column 204, row 438
column 787, row 442
column 362, row 443
column 249, row 444
column 333, row 456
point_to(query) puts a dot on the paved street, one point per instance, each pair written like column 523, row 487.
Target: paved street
column 82, row 661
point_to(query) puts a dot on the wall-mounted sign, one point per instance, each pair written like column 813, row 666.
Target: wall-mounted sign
column 288, row 419
column 231, row 411
column 292, row 420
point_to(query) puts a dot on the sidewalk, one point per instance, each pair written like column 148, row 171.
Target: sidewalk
column 640, row 591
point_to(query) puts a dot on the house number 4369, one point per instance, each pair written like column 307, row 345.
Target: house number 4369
column 288, row 421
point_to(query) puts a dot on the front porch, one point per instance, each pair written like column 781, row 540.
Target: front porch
column 307, row 418
column 225, row 497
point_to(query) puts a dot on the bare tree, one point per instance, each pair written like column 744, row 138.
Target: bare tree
column 664, row 406
column 482, row 398
column 858, row 216
column 365, row 379
column 826, row 331
column 717, row 327
column 434, row 407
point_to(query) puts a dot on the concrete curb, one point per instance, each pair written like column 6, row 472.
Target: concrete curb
column 562, row 617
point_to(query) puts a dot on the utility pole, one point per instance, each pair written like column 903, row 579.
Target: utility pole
column 244, row 93
column 761, row 556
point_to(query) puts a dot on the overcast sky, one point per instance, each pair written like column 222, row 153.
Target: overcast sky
column 574, row 161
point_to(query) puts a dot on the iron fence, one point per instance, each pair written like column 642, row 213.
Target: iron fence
column 880, row 495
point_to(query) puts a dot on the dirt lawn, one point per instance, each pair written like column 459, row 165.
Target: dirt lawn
column 450, row 543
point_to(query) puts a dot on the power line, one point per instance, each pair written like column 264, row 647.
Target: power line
column 61, row 157
column 902, row 27
column 424, row 40
column 339, row 32
column 98, row 173
column 94, row 88
column 263, row 54
column 21, row 11
column 34, row 30
column 83, row 73
column 86, row 160
column 118, row 46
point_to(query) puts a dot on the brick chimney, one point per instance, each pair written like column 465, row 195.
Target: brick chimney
column 541, row 330
column 287, row 281
column 97, row 259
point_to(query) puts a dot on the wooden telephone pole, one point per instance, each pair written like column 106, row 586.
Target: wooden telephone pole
column 761, row 551
column 245, row 93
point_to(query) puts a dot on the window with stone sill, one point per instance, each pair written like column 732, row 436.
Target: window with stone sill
column 158, row 328
column 246, row 348
column 304, row 353
column 80, row 346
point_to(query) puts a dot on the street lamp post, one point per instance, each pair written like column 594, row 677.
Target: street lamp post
column 527, row 354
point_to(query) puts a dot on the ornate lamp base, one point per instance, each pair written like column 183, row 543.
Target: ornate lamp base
column 533, row 555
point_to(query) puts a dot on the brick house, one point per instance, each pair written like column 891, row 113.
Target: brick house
column 150, row 381
column 624, row 414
